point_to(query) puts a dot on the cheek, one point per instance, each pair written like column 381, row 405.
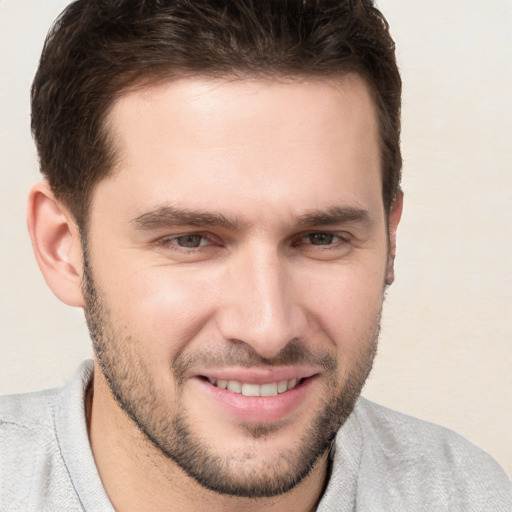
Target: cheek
column 159, row 309
column 346, row 303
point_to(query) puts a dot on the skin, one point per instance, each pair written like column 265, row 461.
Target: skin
column 276, row 288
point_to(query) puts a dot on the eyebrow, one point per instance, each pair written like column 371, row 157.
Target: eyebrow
column 169, row 216
column 334, row 215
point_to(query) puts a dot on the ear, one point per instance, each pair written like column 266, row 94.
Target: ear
column 56, row 243
column 393, row 220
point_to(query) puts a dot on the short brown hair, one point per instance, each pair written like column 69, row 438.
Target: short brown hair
column 96, row 49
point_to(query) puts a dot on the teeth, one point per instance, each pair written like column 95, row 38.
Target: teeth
column 246, row 389
column 250, row 390
column 268, row 389
column 282, row 386
column 234, row 386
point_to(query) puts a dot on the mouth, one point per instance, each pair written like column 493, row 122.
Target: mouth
column 256, row 396
column 249, row 389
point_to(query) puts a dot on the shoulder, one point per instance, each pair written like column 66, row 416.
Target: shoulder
column 418, row 461
column 26, row 424
column 32, row 473
column 27, row 410
column 393, row 433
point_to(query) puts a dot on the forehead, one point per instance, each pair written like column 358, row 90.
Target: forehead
column 195, row 140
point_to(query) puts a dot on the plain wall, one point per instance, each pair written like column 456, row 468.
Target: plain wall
column 445, row 352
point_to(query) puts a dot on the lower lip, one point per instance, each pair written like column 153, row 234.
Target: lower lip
column 259, row 409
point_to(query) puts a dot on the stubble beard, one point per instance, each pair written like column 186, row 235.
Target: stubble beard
column 132, row 386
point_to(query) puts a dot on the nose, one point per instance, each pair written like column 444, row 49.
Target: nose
column 259, row 305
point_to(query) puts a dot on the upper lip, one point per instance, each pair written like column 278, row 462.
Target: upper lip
column 258, row 375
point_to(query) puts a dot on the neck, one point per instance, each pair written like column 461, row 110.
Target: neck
column 137, row 476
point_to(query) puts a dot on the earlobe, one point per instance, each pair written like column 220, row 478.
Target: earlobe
column 394, row 217
column 56, row 242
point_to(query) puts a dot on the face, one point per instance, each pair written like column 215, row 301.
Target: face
column 235, row 269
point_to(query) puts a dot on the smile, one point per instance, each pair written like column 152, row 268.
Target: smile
column 250, row 396
column 247, row 389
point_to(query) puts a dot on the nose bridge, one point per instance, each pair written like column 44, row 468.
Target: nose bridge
column 260, row 309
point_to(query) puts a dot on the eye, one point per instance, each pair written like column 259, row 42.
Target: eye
column 324, row 245
column 189, row 241
column 322, row 238
column 190, row 247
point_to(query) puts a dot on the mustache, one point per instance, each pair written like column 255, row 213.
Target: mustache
column 243, row 355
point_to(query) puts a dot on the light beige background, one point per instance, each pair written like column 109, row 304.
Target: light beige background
column 445, row 353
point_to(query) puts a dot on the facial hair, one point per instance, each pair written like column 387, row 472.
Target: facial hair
column 171, row 432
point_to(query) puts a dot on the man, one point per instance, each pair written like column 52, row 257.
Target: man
column 221, row 197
